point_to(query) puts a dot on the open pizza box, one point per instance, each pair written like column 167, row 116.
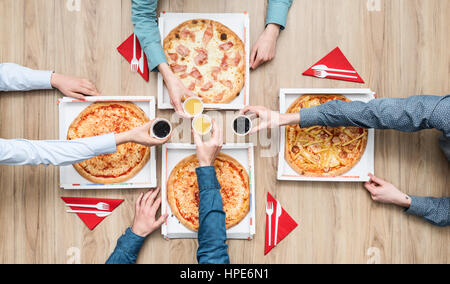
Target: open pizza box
column 69, row 109
column 359, row 173
column 172, row 154
column 238, row 23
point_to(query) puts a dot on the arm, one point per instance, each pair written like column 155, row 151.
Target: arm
column 277, row 12
column 145, row 223
column 212, row 236
column 14, row 77
column 433, row 210
column 409, row 115
column 63, row 153
column 212, row 233
column 60, row 153
column 127, row 249
column 146, row 28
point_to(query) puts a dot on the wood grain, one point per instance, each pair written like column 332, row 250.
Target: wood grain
column 400, row 51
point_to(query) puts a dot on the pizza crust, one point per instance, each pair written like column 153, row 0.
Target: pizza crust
column 75, row 133
column 218, row 94
column 188, row 165
column 295, row 108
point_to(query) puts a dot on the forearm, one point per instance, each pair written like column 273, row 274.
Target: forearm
column 212, row 231
column 146, row 29
column 411, row 114
column 59, row 153
column 127, row 249
column 14, row 77
column 277, row 12
column 434, row 210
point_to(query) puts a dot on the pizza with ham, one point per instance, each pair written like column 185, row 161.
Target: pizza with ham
column 209, row 59
column 322, row 151
column 110, row 117
column 183, row 192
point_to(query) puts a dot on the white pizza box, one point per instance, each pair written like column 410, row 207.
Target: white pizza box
column 238, row 23
column 359, row 173
column 172, row 154
column 69, row 109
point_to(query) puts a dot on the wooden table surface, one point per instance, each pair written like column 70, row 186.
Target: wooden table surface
column 400, row 50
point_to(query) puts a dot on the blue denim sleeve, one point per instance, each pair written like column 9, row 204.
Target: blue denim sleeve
column 127, row 249
column 277, row 12
column 408, row 115
column 212, row 236
column 433, row 210
column 146, row 29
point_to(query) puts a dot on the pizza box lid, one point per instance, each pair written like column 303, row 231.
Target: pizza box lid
column 238, row 23
column 69, row 109
column 359, row 173
column 172, row 154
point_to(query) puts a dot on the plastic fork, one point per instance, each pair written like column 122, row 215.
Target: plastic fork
column 134, row 62
column 99, row 206
column 269, row 212
column 324, row 74
column 98, row 213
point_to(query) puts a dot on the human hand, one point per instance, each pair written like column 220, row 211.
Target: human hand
column 145, row 221
column 140, row 135
column 270, row 119
column 207, row 151
column 265, row 47
column 177, row 90
column 73, row 86
column 384, row 192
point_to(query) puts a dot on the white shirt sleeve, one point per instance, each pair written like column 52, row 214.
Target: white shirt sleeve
column 14, row 77
column 59, row 153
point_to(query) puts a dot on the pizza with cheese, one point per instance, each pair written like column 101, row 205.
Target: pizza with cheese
column 183, row 192
column 322, row 151
column 110, row 117
column 209, row 59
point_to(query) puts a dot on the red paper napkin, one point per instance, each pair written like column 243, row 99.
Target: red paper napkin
column 126, row 49
column 336, row 60
column 91, row 220
column 285, row 225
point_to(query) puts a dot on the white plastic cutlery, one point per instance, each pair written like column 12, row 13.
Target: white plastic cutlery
column 98, row 213
column 278, row 214
column 325, row 68
column 99, row 206
column 134, row 62
column 324, row 74
column 141, row 61
column 269, row 211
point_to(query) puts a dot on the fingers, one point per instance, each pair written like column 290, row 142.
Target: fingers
column 217, row 135
column 161, row 220
column 370, row 187
column 258, row 61
column 377, row 180
column 76, row 96
column 155, row 206
column 197, row 139
column 151, row 198
column 253, row 55
column 138, row 202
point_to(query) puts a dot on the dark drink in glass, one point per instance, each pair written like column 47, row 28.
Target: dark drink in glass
column 161, row 129
column 242, row 125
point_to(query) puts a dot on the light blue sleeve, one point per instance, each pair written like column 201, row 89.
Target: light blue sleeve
column 59, row 153
column 146, row 29
column 14, row 77
column 277, row 12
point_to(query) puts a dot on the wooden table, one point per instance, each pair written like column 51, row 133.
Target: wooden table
column 401, row 50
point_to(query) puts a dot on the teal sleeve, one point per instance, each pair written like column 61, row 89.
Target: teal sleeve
column 277, row 12
column 146, row 29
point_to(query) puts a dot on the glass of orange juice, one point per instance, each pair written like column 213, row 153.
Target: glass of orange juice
column 193, row 106
column 202, row 124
